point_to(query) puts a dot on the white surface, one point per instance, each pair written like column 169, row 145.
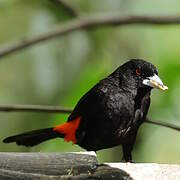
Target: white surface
column 149, row 171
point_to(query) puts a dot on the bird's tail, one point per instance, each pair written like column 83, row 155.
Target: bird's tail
column 33, row 138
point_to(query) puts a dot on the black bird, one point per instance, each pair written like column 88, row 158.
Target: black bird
column 109, row 114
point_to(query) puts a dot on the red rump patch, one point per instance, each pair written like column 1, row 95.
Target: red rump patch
column 69, row 129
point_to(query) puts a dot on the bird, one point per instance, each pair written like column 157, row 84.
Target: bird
column 108, row 115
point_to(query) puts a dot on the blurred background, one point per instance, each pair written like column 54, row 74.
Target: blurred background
column 60, row 71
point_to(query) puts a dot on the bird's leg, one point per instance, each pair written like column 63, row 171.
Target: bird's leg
column 127, row 149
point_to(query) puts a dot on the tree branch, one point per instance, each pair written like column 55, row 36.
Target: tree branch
column 88, row 23
column 58, row 109
column 165, row 124
column 66, row 6
column 34, row 108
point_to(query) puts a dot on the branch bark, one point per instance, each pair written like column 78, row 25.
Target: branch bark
column 165, row 124
column 89, row 22
column 34, row 108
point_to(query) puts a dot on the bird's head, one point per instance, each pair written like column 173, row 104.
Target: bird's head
column 142, row 74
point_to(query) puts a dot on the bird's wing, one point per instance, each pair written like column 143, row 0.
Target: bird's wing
column 89, row 104
column 105, row 104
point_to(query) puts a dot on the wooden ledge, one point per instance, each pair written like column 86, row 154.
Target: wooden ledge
column 52, row 166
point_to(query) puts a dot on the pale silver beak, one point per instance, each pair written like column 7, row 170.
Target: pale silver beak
column 155, row 82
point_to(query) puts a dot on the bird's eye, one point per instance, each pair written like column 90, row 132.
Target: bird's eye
column 138, row 72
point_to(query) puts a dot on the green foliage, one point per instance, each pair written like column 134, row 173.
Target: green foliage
column 59, row 72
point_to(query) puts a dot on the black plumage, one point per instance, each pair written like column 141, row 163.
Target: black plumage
column 111, row 112
column 113, row 109
column 34, row 137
